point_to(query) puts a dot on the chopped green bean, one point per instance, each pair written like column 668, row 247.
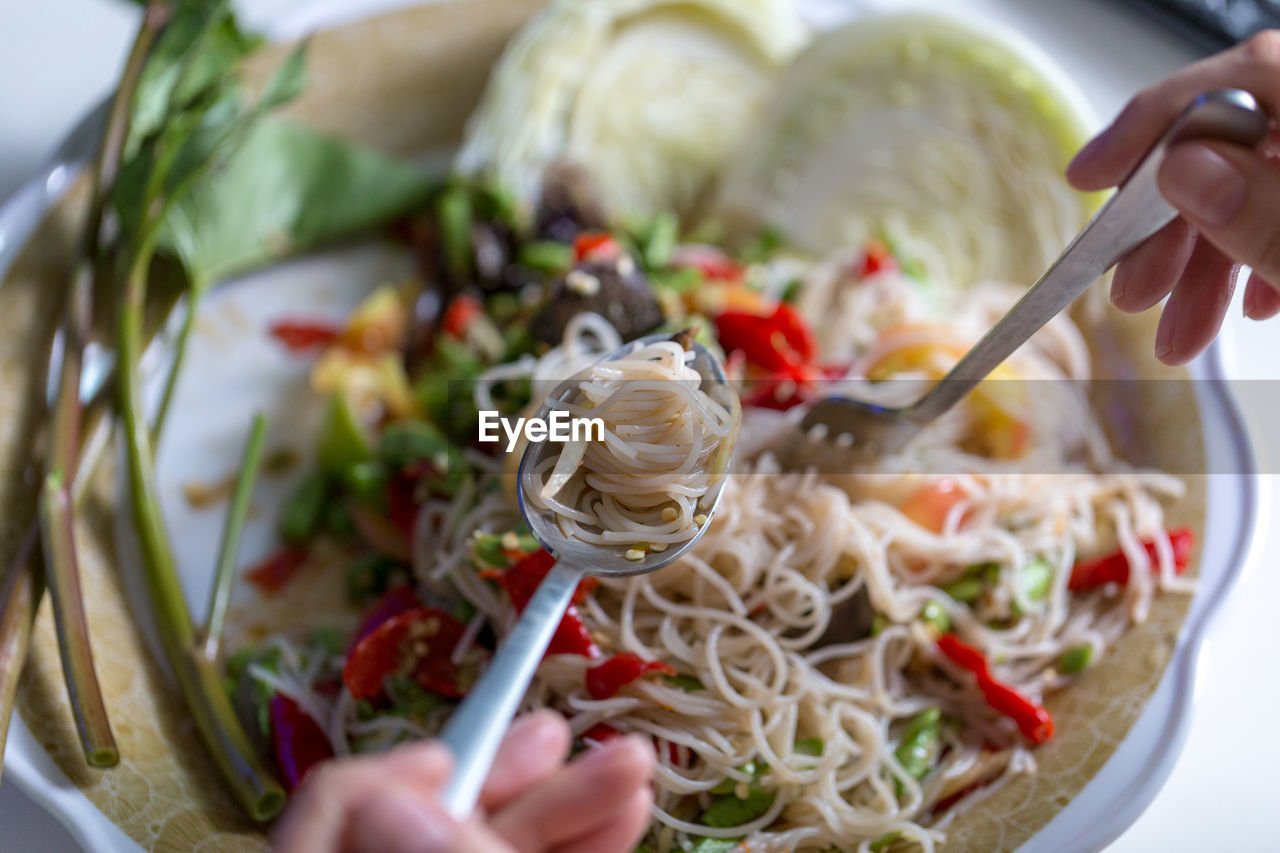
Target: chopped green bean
column 936, row 616
column 546, row 255
column 1075, row 659
column 920, row 743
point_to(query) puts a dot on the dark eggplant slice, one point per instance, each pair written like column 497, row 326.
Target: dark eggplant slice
column 616, row 290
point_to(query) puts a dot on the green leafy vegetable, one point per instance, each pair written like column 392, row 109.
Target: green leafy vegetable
column 731, row 810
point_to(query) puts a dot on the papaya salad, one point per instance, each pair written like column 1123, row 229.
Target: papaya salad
column 841, row 663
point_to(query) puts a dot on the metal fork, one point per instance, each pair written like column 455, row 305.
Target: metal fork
column 1134, row 213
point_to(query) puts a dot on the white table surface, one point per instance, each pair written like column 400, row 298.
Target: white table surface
column 58, row 57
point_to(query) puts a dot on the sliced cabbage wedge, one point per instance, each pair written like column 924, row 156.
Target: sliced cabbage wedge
column 650, row 96
column 946, row 139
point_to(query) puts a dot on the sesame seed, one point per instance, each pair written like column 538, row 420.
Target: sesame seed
column 700, row 519
column 625, row 266
column 670, row 513
column 582, row 283
column 634, row 554
column 657, row 546
column 510, row 540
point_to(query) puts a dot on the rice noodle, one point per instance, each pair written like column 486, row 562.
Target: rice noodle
column 644, row 482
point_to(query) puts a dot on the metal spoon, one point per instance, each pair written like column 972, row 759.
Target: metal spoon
column 1134, row 213
column 477, row 727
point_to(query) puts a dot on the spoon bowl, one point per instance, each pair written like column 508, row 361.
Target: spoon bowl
column 608, row 560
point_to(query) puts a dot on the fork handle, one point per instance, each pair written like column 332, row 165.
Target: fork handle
column 1135, row 212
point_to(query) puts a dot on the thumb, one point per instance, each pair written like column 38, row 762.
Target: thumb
column 1232, row 195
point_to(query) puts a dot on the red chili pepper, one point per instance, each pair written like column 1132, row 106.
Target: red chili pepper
column 604, row 680
column 300, row 335
column 273, row 573
column 877, row 258
column 1114, row 568
column 592, row 244
column 418, row 642
column 522, row 580
column 600, row 733
column 402, row 495
column 1033, row 720
column 297, row 740
column 779, row 342
column 462, row 310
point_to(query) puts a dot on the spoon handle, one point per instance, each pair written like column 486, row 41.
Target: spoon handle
column 1134, row 213
column 478, row 725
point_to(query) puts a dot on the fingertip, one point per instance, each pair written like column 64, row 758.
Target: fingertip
column 636, row 756
column 1261, row 299
column 621, row 764
column 544, row 730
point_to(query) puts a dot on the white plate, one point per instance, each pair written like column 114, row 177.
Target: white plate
column 225, row 364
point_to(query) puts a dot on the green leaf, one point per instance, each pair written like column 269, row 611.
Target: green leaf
column 285, row 189
column 193, row 55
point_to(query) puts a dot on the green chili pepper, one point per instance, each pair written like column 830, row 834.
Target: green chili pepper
column 920, row 743
column 546, row 255
column 965, row 590
column 305, row 508
column 1037, row 578
column 1075, row 659
column 936, row 616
